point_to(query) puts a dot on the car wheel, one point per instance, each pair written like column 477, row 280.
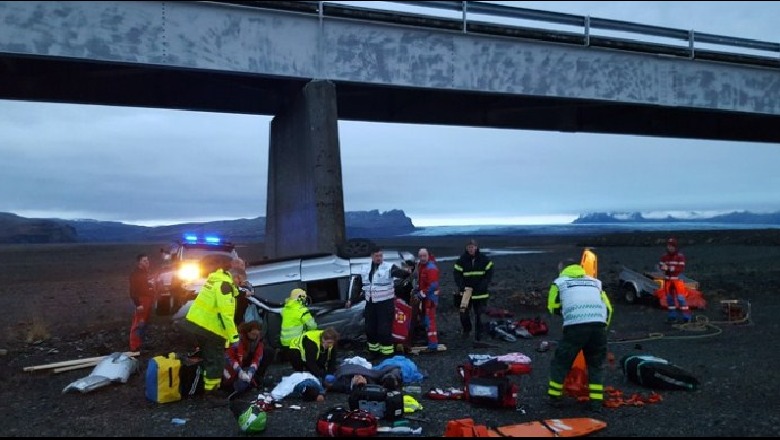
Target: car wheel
column 356, row 247
column 630, row 294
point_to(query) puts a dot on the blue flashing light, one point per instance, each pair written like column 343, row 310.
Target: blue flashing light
column 213, row 240
column 191, row 238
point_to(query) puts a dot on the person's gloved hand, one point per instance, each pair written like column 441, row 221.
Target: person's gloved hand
column 420, row 295
column 244, row 376
column 251, row 372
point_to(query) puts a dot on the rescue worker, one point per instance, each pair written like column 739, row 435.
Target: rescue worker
column 590, row 262
column 210, row 321
column 142, row 294
column 379, row 293
column 245, row 289
column 672, row 265
column 315, row 352
column 296, row 318
column 246, row 362
column 475, row 270
column 428, row 294
column 586, row 314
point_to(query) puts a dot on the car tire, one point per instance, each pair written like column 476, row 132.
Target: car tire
column 356, row 247
column 630, row 295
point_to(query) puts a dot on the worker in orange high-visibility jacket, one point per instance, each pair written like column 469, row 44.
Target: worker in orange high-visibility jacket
column 672, row 265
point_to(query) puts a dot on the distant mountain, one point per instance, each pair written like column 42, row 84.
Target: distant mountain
column 16, row 229
column 736, row 218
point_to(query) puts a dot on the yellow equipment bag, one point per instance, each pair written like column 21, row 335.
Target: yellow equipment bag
column 162, row 379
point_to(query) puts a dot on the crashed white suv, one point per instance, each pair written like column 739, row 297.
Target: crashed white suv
column 328, row 279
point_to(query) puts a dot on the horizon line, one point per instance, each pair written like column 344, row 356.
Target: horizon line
column 419, row 222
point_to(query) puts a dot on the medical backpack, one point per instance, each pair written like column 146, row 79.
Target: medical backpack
column 377, row 400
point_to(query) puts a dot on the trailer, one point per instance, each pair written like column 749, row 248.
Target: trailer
column 635, row 286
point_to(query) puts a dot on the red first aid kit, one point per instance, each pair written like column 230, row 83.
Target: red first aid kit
column 402, row 321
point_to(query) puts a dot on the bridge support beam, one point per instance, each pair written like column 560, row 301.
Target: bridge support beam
column 305, row 207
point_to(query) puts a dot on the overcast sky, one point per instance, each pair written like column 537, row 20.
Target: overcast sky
column 124, row 164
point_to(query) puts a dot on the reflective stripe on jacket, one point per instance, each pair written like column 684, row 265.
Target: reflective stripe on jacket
column 475, row 272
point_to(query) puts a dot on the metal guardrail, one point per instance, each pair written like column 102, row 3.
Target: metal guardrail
column 685, row 43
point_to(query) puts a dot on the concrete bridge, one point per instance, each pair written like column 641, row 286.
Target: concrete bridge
column 312, row 63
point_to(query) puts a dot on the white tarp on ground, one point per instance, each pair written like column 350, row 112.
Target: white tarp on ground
column 116, row 367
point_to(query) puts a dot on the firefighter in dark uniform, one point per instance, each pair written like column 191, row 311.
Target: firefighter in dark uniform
column 586, row 314
column 379, row 293
column 475, row 270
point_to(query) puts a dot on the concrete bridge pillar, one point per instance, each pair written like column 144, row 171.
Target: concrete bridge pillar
column 305, row 208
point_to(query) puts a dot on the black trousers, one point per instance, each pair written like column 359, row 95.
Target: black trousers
column 591, row 338
column 379, row 324
column 478, row 308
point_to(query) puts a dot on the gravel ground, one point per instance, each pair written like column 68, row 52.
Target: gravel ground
column 70, row 301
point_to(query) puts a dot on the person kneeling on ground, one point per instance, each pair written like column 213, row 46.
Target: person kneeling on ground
column 297, row 319
column 315, row 351
column 246, row 363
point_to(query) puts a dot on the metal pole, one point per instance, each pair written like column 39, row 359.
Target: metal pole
column 587, row 30
column 691, row 48
column 464, row 8
column 321, row 43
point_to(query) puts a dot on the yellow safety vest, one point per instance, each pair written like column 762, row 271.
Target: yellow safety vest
column 314, row 336
column 214, row 310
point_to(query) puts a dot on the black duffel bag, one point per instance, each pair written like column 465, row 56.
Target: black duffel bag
column 654, row 372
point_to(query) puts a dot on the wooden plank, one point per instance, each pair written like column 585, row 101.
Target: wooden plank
column 75, row 362
column 76, row 367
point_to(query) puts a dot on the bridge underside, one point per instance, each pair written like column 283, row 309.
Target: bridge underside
column 33, row 79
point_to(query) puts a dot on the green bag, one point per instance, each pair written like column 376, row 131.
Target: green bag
column 252, row 420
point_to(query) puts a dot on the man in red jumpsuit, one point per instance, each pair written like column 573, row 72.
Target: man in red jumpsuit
column 428, row 293
column 672, row 265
